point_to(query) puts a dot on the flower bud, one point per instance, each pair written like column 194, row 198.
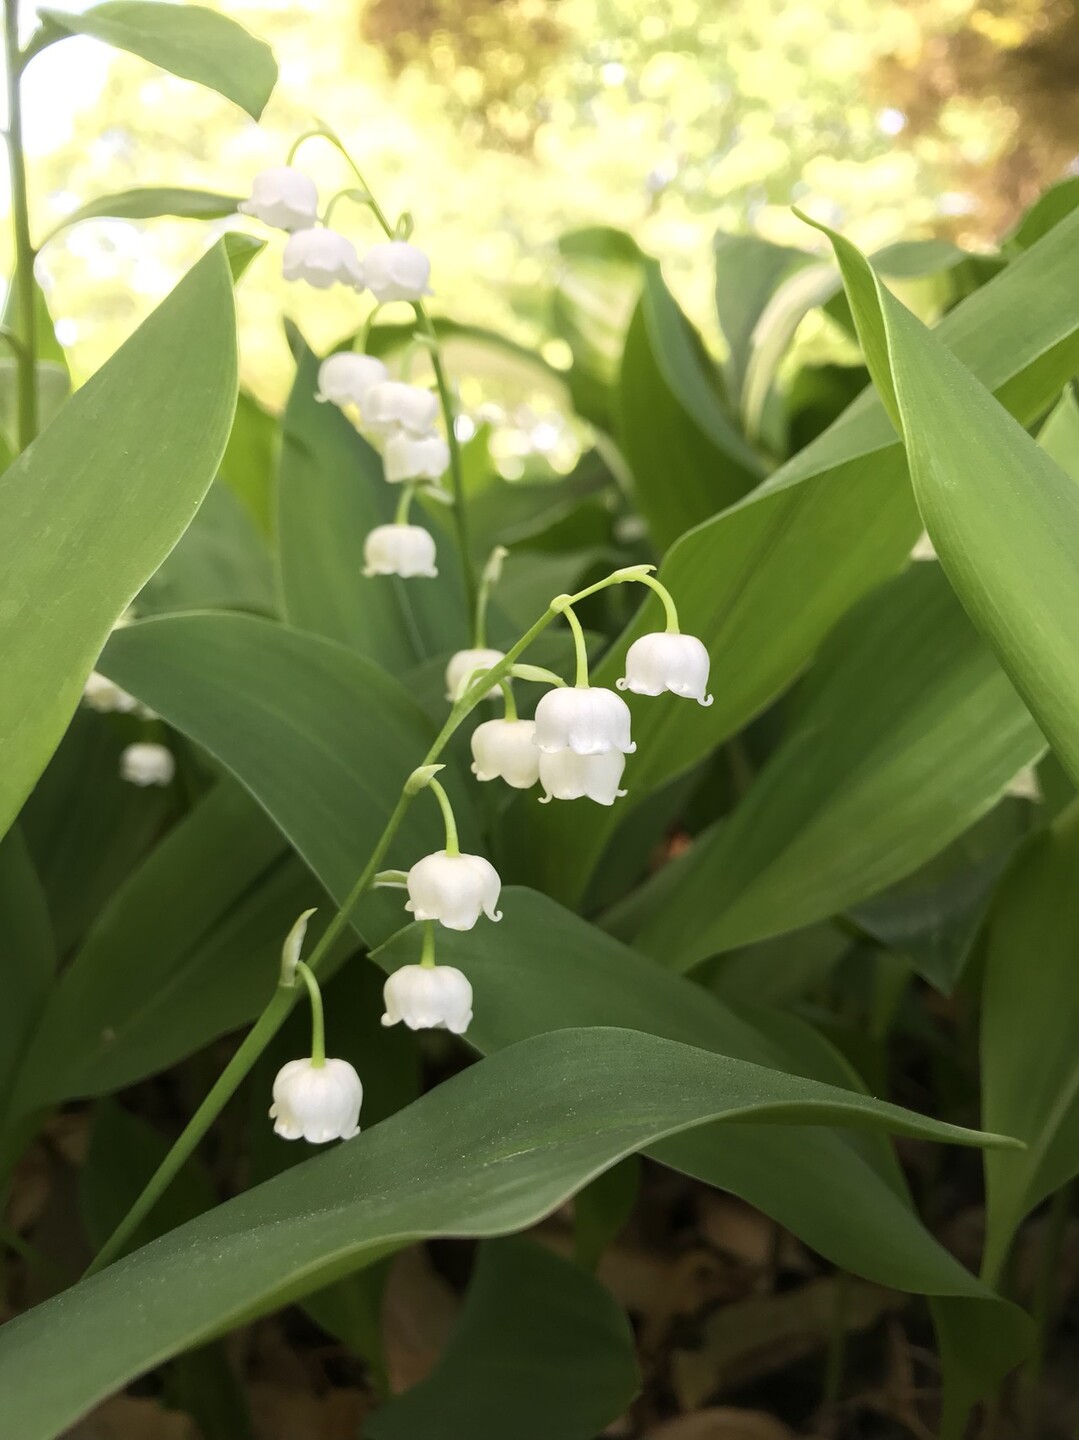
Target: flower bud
column 396, row 270
column 466, row 666
column 147, row 764
column 585, row 719
column 392, row 404
column 345, row 378
column 322, row 258
column 406, row 458
column 565, row 775
column 406, row 550
column 504, row 750
column 283, row 197
column 659, row 662
column 103, row 695
column 428, row 997
column 453, row 889
column 317, row 1102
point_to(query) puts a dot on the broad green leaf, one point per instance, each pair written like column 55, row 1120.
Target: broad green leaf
column 1030, row 1015
column 221, row 563
column 1003, row 518
column 593, row 301
column 114, row 481
column 688, row 459
column 27, row 955
column 249, row 464
column 909, row 731
column 540, row 1349
column 47, row 346
column 330, row 494
column 489, row 1152
column 186, row 951
column 53, row 388
column 765, row 581
column 748, row 272
column 1048, row 210
column 187, row 40
column 1059, row 436
column 146, row 203
column 323, row 739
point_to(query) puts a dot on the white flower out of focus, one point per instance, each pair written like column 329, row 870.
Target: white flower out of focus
column 322, row 258
column 394, row 405
column 407, row 458
column 283, row 197
column 145, row 763
column 345, row 378
column 103, row 695
column 428, row 997
column 317, row 1103
column 465, row 666
column 659, row 662
column 565, row 775
column 405, row 550
column 455, row 890
column 396, row 271
column 504, row 750
column 586, row 719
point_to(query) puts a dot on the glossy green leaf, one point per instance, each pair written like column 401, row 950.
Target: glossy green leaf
column 1030, row 1015
column 330, row 494
column 1059, row 436
column 908, row 732
column 593, row 301
column 688, row 459
column 221, row 563
column 540, row 1349
column 27, row 954
column 146, row 203
column 114, row 482
column 249, row 464
column 1003, row 518
column 764, row 582
column 323, row 739
column 187, row 40
column 748, row 272
column 489, row 1152
column 53, row 388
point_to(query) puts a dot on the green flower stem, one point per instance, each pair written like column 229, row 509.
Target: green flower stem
column 580, row 649
column 26, row 304
column 427, row 957
column 488, row 580
column 318, row 1019
column 510, row 711
column 452, row 844
column 400, row 516
column 669, row 608
column 284, row 997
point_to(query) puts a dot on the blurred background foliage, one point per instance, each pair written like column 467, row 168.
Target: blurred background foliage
column 502, row 123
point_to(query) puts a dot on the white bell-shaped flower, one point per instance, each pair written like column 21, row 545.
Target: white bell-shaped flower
column 586, row 719
column 322, row 258
column 455, row 890
column 406, row 550
column 397, row 270
column 316, row 1102
column 283, row 197
column 345, row 378
column 659, row 662
column 465, row 666
column 407, row 457
column 428, row 997
column 504, row 750
column 565, row 775
column 104, row 695
column 145, row 763
column 393, row 405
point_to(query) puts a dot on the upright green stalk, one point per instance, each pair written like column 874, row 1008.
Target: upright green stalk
column 26, row 308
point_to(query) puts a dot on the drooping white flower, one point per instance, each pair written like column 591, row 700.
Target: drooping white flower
column 393, row 405
column 104, row 695
column 397, row 270
column 316, row 1102
column 586, row 719
column 466, row 666
column 428, row 997
column 322, row 258
column 659, row 662
column 283, row 197
column 453, row 889
column 145, row 763
column 565, row 775
column 345, row 378
column 406, row 550
column 406, row 457
column 503, row 750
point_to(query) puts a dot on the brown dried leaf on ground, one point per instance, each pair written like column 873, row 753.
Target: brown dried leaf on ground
column 418, row 1312
column 743, row 1342
column 282, row 1414
column 748, row 1235
column 126, row 1418
column 722, row 1423
column 660, row 1289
